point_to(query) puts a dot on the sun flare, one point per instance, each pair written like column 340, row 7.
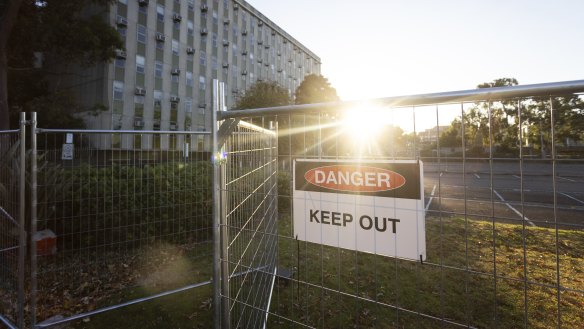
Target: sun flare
column 364, row 123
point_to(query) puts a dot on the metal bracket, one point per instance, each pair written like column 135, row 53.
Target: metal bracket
column 226, row 129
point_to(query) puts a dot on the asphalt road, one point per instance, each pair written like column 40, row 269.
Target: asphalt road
column 508, row 192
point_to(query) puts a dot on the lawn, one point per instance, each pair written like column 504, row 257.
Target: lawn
column 457, row 282
column 335, row 288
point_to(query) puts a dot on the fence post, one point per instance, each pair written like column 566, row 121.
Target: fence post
column 33, row 218
column 220, row 273
column 21, row 220
column 226, row 303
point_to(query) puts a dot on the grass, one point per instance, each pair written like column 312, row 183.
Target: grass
column 457, row 283
column 189, row 309
column 85, row 285
column 335, row 288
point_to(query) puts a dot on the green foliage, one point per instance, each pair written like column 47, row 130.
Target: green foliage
column 452, row 136
column 507, row 132
column 315, row 89
column 264, row 94
column 501, row 82
column 126, row 205
column 69, row 31
column 56, row 110
column 66, row 34
column 568, row 121
column 284, row 191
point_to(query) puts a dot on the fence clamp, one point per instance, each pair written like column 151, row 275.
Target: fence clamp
column 219, row 158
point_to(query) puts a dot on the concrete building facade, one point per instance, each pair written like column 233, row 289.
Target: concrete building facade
column 174, row 49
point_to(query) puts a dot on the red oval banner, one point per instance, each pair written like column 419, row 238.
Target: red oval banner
column 354, row 178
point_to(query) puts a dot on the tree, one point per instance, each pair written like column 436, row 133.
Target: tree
column 480, row 127
column 318, row 135
column 568, row 121
column 315, row 89
column 503, row 127
column 63, row 33
column 452, row 136
column 263, row 94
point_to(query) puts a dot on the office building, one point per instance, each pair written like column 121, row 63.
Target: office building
column 173, row 51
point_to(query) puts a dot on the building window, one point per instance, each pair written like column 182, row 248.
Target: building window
column 157, row 100
column 202, row 58
column 125, row 2
column 190, row 28
column 191, row 4
column 140, row 61
column 139, row 101
column 120, row 62
column 159, row 45
column 143, row 9
column 160, row 12
column 175, row 47
column 215, row 18
column 189, row 78
column 174, row 78
column 202, row 85
column 118, row 90
column 188, row 105
column 214, row 40
column 158, row 69
column 141, row 33
column 122, row 30
column 176, row 23
column 214, row 63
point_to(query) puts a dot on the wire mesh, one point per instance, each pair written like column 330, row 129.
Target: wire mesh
column 9, row 225
column 120, row 223
column 504, row 208
column 124, row 216
column 250, row 222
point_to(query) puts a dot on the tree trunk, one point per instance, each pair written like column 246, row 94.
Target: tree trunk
column 7, row 20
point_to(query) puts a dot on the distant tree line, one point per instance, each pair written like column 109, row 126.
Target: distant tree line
column 514, row 123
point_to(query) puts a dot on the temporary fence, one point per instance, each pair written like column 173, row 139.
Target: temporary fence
column 114, row 218
column 12, row 238
column 249, row 215
column 503, row 211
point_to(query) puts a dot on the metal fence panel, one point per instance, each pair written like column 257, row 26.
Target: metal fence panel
column 10, row 166
column 504, row 208
column 119, row 224
column 249, row 224
column 120, row 217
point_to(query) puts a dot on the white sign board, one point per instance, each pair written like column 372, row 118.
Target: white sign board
column 369, row 206
column 67, row 152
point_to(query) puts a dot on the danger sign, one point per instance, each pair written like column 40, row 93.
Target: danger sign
column 373, row 206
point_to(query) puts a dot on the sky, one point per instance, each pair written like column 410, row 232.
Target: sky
column 383, row 48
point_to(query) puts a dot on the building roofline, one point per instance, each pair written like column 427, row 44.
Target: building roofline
column 277, row 28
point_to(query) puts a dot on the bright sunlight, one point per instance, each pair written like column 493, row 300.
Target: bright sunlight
column 365, row 122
